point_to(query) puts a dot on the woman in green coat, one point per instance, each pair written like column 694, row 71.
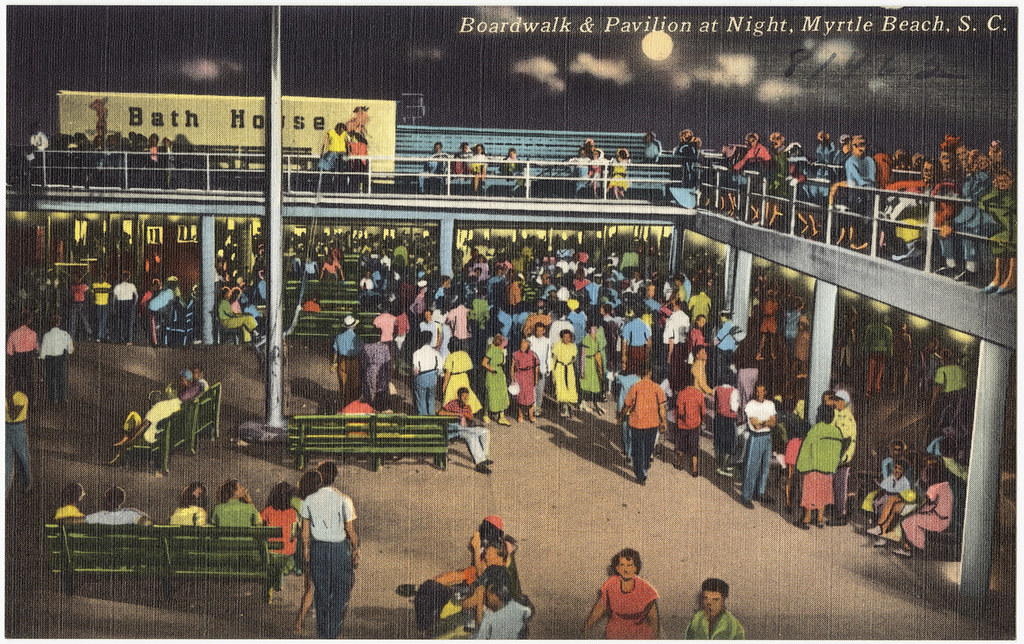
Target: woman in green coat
column 593, row 366
column 817, row 461
column 495, row 382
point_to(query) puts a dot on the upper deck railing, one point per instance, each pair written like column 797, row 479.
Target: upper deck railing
column 899, row 225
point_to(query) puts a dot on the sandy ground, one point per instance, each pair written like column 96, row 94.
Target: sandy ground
column 561, row 487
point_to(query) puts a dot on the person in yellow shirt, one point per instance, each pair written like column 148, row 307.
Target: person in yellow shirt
column 17, row 439
column 101, row 289
column 847, row 425
column 334, row 149
column 70, row 497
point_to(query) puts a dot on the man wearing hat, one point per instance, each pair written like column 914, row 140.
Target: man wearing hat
column 578, row 318
column 725, row 341
column 847, row 425
column 347, row 346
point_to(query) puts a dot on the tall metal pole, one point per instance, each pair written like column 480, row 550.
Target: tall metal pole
column 275, row 338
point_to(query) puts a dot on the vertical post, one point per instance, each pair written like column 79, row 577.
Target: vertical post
column 929, row 237
column 874, row 224
column 673, row 249
column 792, row 210
column 727, row 276
column 43, row 154
column 764, row 202
column 718, row 187
column 448, row 178
column 274, row 346
column 828, row 225
column 207, row 275
column 207, row 156
column 288, row 169
column 529, row 182
column 446, row 243
column 741, row 288
column 746, row 198
column 125, row 154
column 983, row 473
column 369, row 176
column 823, row 329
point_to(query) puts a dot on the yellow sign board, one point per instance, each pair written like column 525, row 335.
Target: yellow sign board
column 226, row 120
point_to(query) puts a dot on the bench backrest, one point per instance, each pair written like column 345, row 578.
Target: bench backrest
column 83, row 547
column 207, row 415
column 355, row 432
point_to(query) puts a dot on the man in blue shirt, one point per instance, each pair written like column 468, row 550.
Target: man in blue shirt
column 347, row 346
column 636, row 343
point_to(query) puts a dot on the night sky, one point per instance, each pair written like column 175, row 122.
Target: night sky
column 900, row 89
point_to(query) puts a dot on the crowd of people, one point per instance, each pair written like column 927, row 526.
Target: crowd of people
column 317, row 523
column 983, row 217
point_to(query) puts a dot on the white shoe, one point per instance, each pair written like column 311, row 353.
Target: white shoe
column 877, row 530
column 879, row 542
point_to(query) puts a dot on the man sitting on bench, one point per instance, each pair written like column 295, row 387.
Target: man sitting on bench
column 112, row 512
column 477, row 438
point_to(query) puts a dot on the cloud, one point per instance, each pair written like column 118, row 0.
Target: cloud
column 878, row 85
column 605, row 69
column 778, row 91
column 542, row 69
column 732, row 70
column 680, row 80
column 843, row 50
column 497, row 13
column 204, row 69
column 426, row 53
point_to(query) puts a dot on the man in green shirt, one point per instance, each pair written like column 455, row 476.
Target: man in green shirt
column 713, row 622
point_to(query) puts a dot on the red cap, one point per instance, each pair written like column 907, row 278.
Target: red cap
column 496, row 521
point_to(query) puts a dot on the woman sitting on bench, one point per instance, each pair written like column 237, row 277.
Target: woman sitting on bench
column 934, row 515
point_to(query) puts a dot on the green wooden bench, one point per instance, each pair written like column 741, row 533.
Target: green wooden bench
column 375, row 435
column 196, row 417
column 169, row 553
column 327, row 324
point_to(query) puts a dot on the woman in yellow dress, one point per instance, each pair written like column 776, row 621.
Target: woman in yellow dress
column 618, row 184
column 563, row 372
column 456, row 376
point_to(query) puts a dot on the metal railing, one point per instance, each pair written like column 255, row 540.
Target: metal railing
column 245, row 172
column 746, row 196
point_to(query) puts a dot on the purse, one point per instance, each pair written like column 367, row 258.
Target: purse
column 513, row 388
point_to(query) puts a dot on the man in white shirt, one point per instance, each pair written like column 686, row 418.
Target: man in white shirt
column 540, row 344
column 112, row 512
column 331, row 546
column 426, row 364
column 125, row 297
column 53, row 351
column 676, row 327
column 761, row 418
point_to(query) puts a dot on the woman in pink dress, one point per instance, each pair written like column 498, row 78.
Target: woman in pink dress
column 933, row 516
column 525, row 365
column 630, row 602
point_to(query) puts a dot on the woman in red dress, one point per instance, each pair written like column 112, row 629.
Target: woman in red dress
column 525, row 365
column 630, row 602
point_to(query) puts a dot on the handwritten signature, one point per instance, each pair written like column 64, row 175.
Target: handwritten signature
column 932, row 67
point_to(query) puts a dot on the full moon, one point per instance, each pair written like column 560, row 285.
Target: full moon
column 657, row 45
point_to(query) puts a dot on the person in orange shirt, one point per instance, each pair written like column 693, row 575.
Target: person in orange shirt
column 645, row 407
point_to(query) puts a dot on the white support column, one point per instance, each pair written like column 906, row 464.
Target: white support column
column 207, row 275
column 275, row 338
column 446, row 245
column 983, row 473
column 823, row 329
column 674, row 243
column 741, row 289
